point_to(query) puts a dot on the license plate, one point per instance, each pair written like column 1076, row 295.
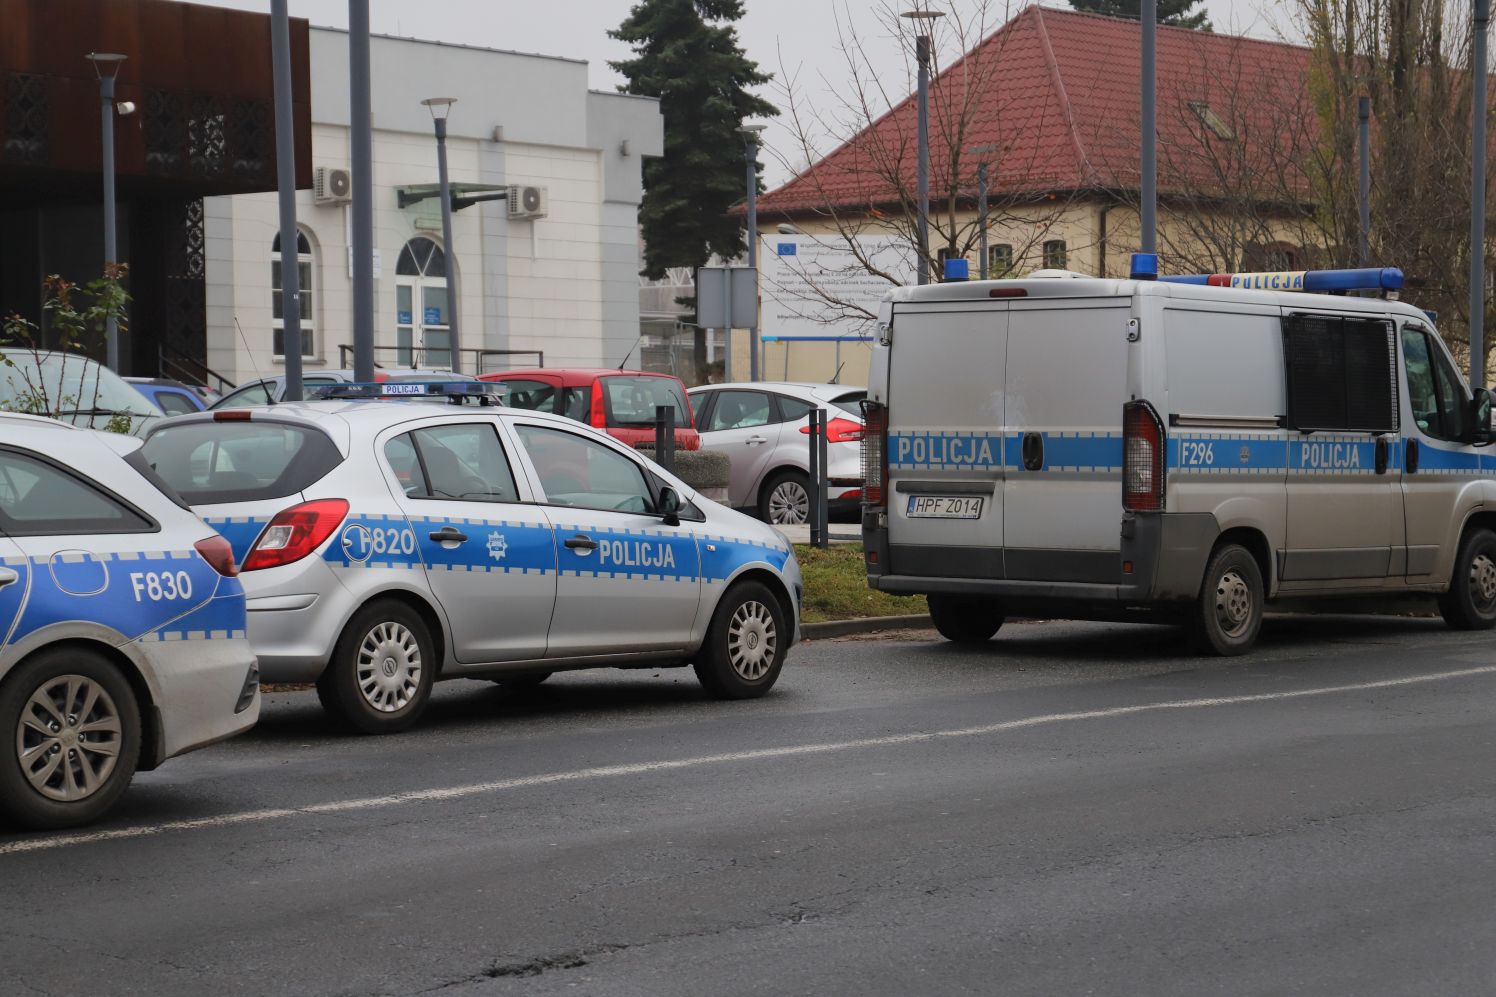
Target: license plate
column 944, row 507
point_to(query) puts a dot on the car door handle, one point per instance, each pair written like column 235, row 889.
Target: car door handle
column 581, row 542
column 1032, row 451
column 1410, row 458
column 7, row 576
column 448, row 535
column 756, row 439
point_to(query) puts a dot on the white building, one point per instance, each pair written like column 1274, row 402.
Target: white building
column 565, row 283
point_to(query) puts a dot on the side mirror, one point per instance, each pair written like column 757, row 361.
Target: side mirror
column 669, row 506
column 1480, row 417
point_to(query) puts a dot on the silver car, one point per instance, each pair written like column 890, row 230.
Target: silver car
column 386, row 545
column 122, row 626
column 764, row 429
column 271, row 390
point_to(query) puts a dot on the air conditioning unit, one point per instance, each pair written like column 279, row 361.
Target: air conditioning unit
column 527, row 202
column 332, row 186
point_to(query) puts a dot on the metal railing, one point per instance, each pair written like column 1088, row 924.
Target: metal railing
column 482, row 361
column 179, row 366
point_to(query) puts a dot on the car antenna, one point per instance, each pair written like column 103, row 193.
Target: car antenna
column 836, row 378
column 245, row 341
column 630, row 352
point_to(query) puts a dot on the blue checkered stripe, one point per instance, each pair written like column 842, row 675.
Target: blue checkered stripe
column 642, row 555
column 723, row 557
column 1240, row 454
column 240, row 531
column 492, row 545
column 1070, row 452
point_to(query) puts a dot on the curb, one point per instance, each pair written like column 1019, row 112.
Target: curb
column 864, row 625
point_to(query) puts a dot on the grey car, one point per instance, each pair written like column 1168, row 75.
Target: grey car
column 764, row 429
column 272, row 390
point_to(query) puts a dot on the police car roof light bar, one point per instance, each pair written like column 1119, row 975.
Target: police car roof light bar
column 456, row 392
column 1323, row 281
column 1144, row 266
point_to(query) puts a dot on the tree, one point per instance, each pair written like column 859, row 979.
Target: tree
column 1171, row 12
column 687, row 54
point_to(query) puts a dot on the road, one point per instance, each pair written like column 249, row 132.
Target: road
column 1074, row 809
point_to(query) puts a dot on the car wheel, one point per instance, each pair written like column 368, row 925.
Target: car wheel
column 1228, row 614
column 519, row 683
column 745, row 645
column 965, row 620
column 382, row 670
column 785, row 499
column 69, row 739
column 1470, row 603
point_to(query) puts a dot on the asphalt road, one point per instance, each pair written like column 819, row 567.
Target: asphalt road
column 1077, row 808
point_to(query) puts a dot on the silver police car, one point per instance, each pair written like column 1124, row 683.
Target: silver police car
column 122, row 626
column 385, row 545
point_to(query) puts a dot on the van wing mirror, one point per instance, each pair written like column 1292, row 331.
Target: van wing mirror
column 670, row 506
column 1480, row 417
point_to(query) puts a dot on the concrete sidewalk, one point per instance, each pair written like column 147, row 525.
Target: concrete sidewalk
column 841, row 533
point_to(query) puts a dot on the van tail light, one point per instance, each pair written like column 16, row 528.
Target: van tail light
column 219, row 555
column 295, row 532
column 839, row 431
column 1143, row 446
column 874, row 453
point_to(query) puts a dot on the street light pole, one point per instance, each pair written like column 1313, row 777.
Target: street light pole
column 361, row 157
column 922, row 57
column 1478, row 197
column 751, row 133
column 1149, row 96
column 285, row 169
column 1363, row 241
column 440, row 107
column 984, row 151
column 107, row 66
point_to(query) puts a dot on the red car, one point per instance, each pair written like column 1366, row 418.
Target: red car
column 619, row 402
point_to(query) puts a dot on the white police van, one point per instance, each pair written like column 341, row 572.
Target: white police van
column 1180, row 449
column 387, row 544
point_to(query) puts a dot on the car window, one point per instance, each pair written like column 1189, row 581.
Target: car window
column 850, row 402
column 175, row 403
column 536, row 396
column 208, row 463
column 38, row 498
column 576, row 403
column 461, row 461
column 1434, row 389
column 739, row 410
column 794, row 409
column 631, row 401
column 400, row 454
column 248, row 396
column 576, row 471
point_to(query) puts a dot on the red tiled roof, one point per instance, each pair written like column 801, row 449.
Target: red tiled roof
column 1058, row 98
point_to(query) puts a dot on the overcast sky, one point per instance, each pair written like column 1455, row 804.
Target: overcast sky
column 799, row 35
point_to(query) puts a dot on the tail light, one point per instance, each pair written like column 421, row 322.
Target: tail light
column 296, row 532
column 839, row 431
column 598, row 419
column 219, row 555
column 874, row 452
column 1142, row 458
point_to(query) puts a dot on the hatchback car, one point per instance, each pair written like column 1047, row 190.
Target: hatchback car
column 621, row 403
column 271, row 390
column 764, row 429
column 385, row 546
column 171, row 397
column 74, row 389
column 122, row 626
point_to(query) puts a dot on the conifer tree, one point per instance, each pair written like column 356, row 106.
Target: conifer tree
column 1172, row 12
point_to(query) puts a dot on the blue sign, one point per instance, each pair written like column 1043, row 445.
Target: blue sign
column 404, row 318
column 786, row 249
column 432, row 316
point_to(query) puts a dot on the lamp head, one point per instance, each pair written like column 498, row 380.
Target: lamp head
column 439, row 107
column 105, row 63
column 920, row 14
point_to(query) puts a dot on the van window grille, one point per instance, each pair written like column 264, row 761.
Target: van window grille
column 1342, row 373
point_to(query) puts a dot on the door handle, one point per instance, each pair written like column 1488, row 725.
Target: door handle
column 448, row 534
column 1410, row 463
column 1032, row 449
column 756, row 439
column 7, row 576
column 1381, row 457
column 581, row 543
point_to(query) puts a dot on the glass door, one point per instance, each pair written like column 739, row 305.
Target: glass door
column 423, row 331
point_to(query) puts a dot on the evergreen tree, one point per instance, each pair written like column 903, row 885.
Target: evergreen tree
column 686, row 53
column 1172, row 12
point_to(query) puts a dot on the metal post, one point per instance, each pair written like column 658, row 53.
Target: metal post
column 753, row 361
column 361, row 155
column 111, row 237
column 823, row 484
column 922, row 55
column 1478, row 198
column 665, row 437
column 982, row 217
column 727, row 364
column 813, row 513
column 1363, row 245
column 1149, row 210
column 453, row 336
column 285, row 170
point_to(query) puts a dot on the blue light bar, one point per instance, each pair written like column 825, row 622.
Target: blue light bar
column 957, row 268
column 1332, row 281
column 486, row 392
column 1144, row 266
column 815, row 339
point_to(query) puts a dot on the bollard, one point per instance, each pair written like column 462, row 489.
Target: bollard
column 665, row 437
column 822, row 485
column 818, row 484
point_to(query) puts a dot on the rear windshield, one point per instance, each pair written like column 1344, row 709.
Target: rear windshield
column 850, row 402
column 209, row 463
column 631, row 401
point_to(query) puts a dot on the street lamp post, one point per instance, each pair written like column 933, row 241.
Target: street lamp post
column 922, row 56
column 1479, row 83
column 1148, row 212
column 107, row 66
column 285, row 175
column 984, row 151
column 361, row 159
column 440, row 107
column 751, row 135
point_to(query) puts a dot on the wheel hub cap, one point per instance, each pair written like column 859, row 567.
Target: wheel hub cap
column 1233, row 604
column 789, row 504
column 1483, row 579
column 751, row 641
column 68, row 740
column 389, row 667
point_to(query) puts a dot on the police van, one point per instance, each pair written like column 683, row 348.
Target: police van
column 1180, row 449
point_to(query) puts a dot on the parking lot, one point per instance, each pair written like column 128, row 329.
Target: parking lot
column 1076, row 808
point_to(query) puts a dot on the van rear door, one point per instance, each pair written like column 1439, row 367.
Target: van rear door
column 945, row 446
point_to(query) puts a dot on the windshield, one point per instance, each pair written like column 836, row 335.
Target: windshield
column 73, row 389
column 850, row 403
column 631, row 401
column 209, row 463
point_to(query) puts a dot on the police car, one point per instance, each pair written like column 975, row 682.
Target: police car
column 386, row 545
column 122, row 626
column 1179, row 449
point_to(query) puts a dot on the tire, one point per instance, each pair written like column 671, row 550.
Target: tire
column 784, row 500
column 53, row 689
column 745, row 645
column 966, row 619
column 390, row 643
column 1470, row 603
column 519, row 683
column 1228, row 614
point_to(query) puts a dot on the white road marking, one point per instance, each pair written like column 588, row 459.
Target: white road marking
column 699, row 761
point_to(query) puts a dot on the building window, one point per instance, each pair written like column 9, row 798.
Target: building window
column 423, row 330
column 999, row 260
column 1055, row 257
column 305, row 268
column 1213, row 121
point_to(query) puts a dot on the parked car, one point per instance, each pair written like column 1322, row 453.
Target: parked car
column 73, row 389
column 270, row 390
column 171, row 397
column 122, row 624
column 621, row 403
column 764, row 429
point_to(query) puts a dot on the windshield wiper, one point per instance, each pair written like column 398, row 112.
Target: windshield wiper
column 105, row 411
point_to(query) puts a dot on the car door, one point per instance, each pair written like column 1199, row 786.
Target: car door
column 743, row 425
column 15, row 575
column 489, row 554
column 627, row 581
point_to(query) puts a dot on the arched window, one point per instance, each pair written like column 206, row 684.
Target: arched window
column 308, row 312
column 422, row 320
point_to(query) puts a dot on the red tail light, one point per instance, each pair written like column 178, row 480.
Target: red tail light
column 839, row 431
column 874, row 452
column 219, row 555
column 1142, row 458
column 232, row 415
column 296, row 532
